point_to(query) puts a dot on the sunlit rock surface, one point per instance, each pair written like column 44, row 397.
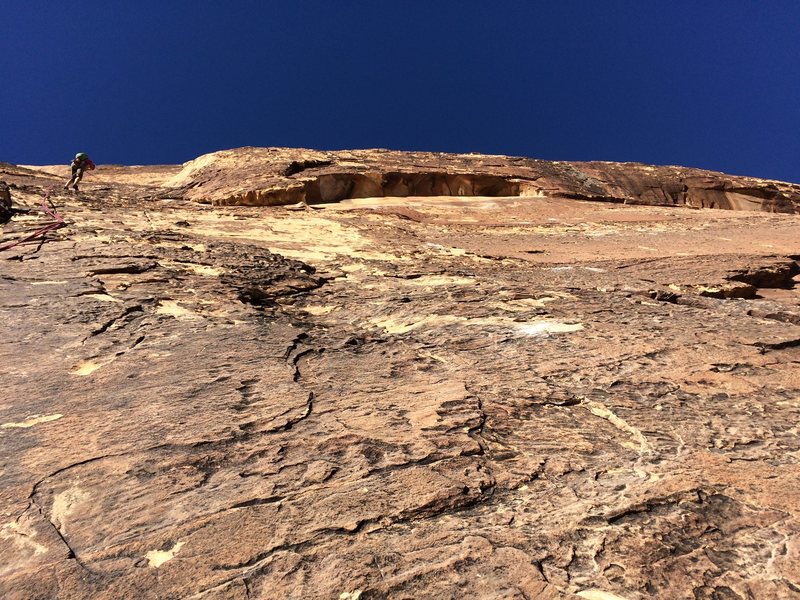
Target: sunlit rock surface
column 452, row 377
column 274, row 176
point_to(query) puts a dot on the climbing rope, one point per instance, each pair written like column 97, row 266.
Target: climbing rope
column 56, row 222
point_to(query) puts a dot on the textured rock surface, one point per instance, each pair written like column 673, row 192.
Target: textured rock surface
column 270, row 176
column 421, row 397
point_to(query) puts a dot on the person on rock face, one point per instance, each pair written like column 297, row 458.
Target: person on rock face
column 80, row 163
column 5, row 203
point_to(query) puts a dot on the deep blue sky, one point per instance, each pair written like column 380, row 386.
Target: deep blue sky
column 712, row 84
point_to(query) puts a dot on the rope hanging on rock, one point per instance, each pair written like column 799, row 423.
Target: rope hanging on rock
column 57, row 222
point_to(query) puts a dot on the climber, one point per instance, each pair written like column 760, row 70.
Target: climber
column 6, row 211
column 80, row 163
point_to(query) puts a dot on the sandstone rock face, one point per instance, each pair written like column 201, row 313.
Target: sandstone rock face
column 424, row 395
column 275, row 176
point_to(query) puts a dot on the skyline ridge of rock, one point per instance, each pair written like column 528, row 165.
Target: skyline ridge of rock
column 274, row 176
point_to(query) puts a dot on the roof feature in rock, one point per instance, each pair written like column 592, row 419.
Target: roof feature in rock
column 276, row 176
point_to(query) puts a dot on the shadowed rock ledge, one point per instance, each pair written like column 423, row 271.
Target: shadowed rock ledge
column 274, row 176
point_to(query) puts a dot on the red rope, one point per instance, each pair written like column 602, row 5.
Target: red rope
column 49, row 210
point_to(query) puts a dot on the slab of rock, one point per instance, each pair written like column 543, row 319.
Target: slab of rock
column 275, row 176
column 407, row 396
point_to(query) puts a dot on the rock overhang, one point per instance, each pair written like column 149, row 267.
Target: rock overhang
column 279, row 176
